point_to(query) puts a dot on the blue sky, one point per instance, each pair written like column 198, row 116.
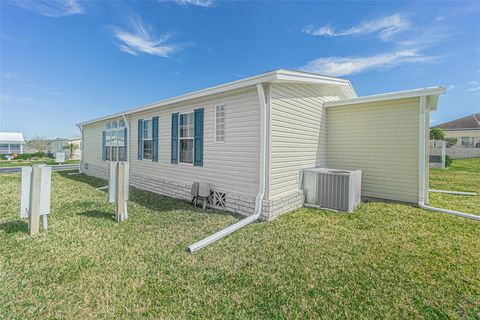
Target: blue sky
column 63, row 62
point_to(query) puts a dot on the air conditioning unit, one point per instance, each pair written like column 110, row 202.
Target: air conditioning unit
column 332, row 188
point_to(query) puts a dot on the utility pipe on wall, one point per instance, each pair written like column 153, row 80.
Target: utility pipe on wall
column 422, row 156
column 129, row 140
column 82, row 145
column 259, row 199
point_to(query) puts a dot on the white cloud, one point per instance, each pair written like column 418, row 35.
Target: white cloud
column 141, row 40
column 451, row 87
column 342, row 66
column 198, row 3
column 385, row 27
column 51, row 8
column 474, row 89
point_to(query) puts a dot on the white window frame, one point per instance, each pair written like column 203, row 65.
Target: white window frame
column 180, row 138
column 149, row 130
column 108, row 132
column 215, row 122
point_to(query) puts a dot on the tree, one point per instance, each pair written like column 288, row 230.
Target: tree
column 437, row 134
column 72, row 147
column 39, row 143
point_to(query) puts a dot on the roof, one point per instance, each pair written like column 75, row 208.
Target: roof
column 471, row 122
column 11, row 137
column 280, row 75
column 433, row 92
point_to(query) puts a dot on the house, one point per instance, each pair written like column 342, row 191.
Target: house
column 251, row 138
column 58, row 145
column 11, row 142
column 465, row 132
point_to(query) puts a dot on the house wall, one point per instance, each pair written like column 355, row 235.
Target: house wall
column 381, row 139
column 231, row 167
column 297, row 139
column 473, row 135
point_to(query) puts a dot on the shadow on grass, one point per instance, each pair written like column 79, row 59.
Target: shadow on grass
column 14, row 226
column 146, row 199
column 97, row 214
column 92, row 181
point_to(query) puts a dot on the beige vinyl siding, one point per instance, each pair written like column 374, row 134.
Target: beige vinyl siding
column 92, row 144
column 232, row 166
column 297, row 132
column 381, row 139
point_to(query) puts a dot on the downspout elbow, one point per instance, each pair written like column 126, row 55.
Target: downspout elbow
column 451, row 212
column 262, row 183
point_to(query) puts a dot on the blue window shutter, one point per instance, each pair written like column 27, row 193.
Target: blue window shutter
column 155, row 139
column 140, row 139
column 174, row 151
column 125, row 144
column 198, row 138
column 103, row 145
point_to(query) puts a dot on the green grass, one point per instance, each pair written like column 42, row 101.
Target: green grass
column 21, row 163
column 463, row 175
column 381, row 261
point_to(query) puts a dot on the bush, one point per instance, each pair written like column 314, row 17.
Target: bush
column 448, row 161
column 3, row 157
column 28, row 156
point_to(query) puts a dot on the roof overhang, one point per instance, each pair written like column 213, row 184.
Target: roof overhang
column 11, row 142
column 280, row 75
column 432, row 93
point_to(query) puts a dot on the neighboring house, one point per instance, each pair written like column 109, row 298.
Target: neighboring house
column 58, row 145
column 271, row 125
column 11, row 142
column 466, row 130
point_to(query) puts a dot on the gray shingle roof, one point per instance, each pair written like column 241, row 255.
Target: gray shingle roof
column 469, row 122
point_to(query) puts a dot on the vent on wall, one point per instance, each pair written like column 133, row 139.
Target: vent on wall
column 217, row 199
column 332, row 188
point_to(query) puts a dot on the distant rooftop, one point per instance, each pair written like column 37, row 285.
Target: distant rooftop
column 11, row 137
column 469, row 122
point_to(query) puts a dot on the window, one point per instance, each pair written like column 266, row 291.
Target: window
column 186, row 127
column 465, row 141
column 114, row 143
column 4, row 148
column 147, row 139
column 220, row 124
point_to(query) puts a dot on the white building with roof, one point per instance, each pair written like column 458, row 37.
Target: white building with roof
column 250, row 139
column 11, row 142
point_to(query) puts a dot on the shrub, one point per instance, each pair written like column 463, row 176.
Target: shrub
column 448, row 161
column 451, row 142
column 28, row 156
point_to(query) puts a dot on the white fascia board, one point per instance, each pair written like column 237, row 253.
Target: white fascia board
column 433, row 91
column 272, row 76
column 313, row 79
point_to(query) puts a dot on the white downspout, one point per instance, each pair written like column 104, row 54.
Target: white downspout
column 82, row 144
column 129, row 135
column 259, row 199
column 423, row 167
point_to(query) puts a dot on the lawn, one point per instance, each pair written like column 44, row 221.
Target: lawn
column 22, row 163
column 381, row 261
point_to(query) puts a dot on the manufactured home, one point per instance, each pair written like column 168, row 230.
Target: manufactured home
column 250, row 140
